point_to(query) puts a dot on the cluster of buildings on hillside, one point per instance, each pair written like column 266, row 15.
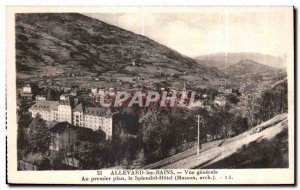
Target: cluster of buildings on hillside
column 220, row 99
column 26, row 93
column 69, row 109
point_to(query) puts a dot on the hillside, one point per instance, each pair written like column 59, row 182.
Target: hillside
column 224, row 60
column 54, row 45
column 269, row 144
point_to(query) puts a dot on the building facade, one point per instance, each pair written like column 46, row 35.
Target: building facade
column 40, row 98
column 45, row 108
column 94, row 90
column 64, row 96
column 27, row 89
column 220, row 100
column 93, row 118
column 62, row 111
column 78, row 115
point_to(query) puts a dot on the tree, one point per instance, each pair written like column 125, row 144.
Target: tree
column 39, row 135
column 156, row 134
column 23, row 124
column 240, row 124
column 232, row 98
column 45, row 164
column 251, row 104
column 273, row 102
column 95, row 156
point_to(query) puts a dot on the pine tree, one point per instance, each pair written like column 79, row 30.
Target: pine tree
column 39, row 135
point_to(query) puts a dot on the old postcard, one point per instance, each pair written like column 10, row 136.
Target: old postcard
column 150, row 95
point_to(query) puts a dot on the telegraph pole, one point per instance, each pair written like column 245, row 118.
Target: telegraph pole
column 199, row 144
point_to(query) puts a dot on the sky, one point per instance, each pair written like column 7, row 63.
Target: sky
column 200, row 31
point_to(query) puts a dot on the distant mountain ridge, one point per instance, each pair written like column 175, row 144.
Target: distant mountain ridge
column 224, row 60
column 253, row 77
column 248, row 66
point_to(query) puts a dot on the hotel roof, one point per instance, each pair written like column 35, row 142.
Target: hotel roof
column 78, row 108
column 96, row 111
column 46, row 105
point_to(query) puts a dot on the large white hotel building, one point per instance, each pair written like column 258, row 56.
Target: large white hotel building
column 78, row 115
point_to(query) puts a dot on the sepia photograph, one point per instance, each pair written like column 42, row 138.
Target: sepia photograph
column 151, row 89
